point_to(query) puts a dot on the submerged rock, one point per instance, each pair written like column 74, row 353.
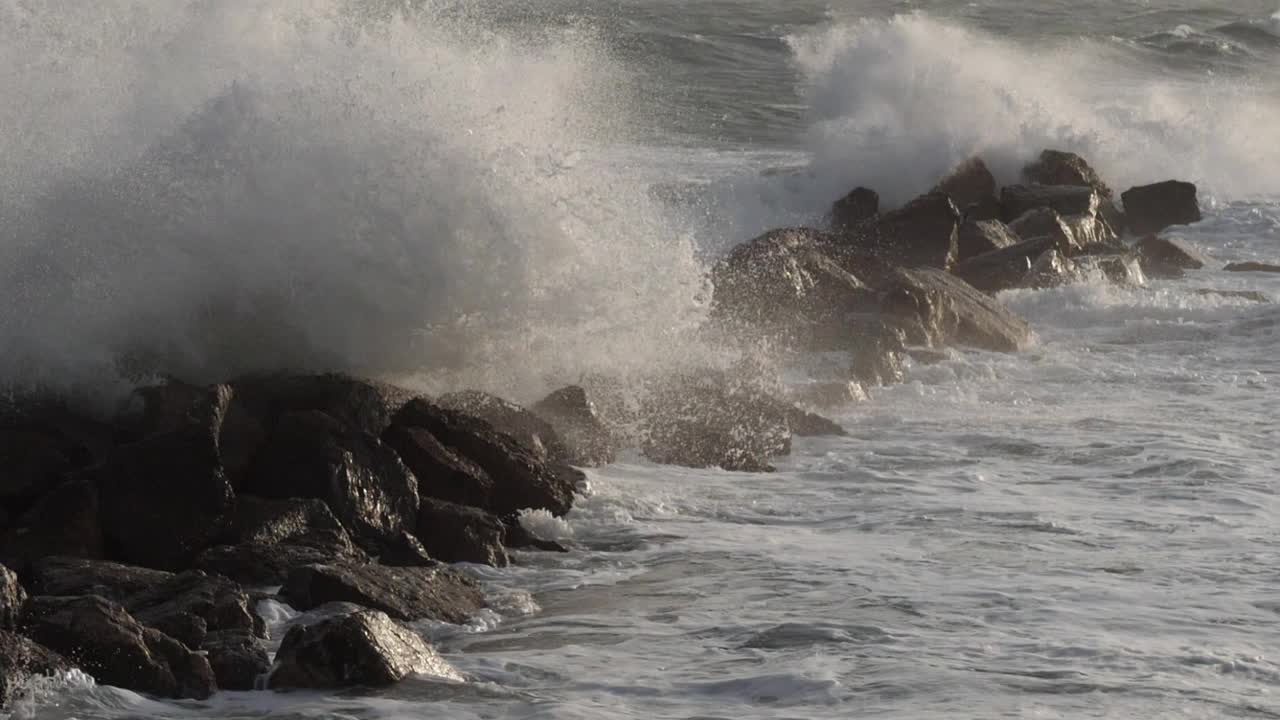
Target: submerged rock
column 109, row 644
column 1251, row 295
column 21, row 658
column 1252, row 267
column 455, row 533
column 405, row 593
column 312, row 455
column 1152, row 208
column 1167, row 257
column 353, row 647
column 521, row 479
column 570, row 411
column 951, row 311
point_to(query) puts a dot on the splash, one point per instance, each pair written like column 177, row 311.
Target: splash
column 209, row 187
column 896, row 103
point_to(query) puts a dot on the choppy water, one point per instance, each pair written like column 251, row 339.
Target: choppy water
column 1083, row 530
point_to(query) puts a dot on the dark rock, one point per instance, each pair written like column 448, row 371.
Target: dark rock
column 1251, row 295
column 1017, row 200
column 441, row 472
column 353, row 647
column 407, row 551
column 507, row 417
column 1252, row 267
column 1052, row 269
column 1093, row 235
column 1046, row 222
column 829, row 394
column 985, row 209
column 109, row 644
column 21, row 658
column 983, row 236
column 162, row 500
column 520, row 478
column 31, row 463
column 266, row 521
column 1152, row 208
column 971, row 182
column 64, row 522
column 924, row 356
column 570, row 411
column 952, row 311
column 1055, row 167
column 412, row 593
column 1122, row 270
column 705, row 421
column 268, row 565
column 455, row 533
column 1006, row 268
column 189, row 606
column 1167, row 257
column 922, row 233
column 518, row 537
column 364, row 482
column 364, row 406
column 806, row 424
column 859, row 206
column 784, row 279
column 12, row 599
column 65, row 576
column 239, row 659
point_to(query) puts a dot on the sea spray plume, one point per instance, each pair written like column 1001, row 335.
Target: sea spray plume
column 896, row 103
column 205, row 188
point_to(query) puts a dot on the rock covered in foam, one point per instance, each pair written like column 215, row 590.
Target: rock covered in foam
column 572, row 413
column 1152, row 208
column 345, row 647
column 21, row 658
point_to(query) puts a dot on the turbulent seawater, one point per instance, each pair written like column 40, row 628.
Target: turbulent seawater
column 512, row 194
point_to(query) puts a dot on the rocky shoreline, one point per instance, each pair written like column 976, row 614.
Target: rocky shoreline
column 134, row 547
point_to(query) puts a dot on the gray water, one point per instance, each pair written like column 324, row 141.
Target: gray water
column 1086, row 529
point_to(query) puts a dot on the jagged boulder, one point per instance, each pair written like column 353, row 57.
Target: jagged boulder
column 1152, row 208
column 345, row 647
column 1122, row 270
column 70, row 576
column 1007, row 267
column 525, row 426
column 364, row 406
column 1017, row 200
column 969, row 183
column 64, row 522
column 239, row 659
column 783, row 281
column 456, row 533
column 21, row 658
column 267, row 521
column 860, row 205
column 521, row 479
column 976, row 237
column 441, row 472
column 405, row 593
column 1052, row 269
column 1055, row 167
column 258, row 565
column 12, row 599
column 922, row 233
column 313, row 455
column 878, row 356
column 102, row 639
column 574, row 416
column 953, row 312
column 189, row 606
column 1167, row 257
column 162, row 500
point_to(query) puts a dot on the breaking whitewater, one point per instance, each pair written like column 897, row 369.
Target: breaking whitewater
column 375, row 361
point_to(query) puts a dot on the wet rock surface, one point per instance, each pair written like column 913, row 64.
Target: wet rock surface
column 21, row 658
column 1152, row 208
column 455, row 533
column 953, row 312
column 348, row 647
column 12, row 599
column 587, row 440
column 413, row 593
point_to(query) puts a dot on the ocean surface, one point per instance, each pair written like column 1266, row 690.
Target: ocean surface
column 509, row 195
